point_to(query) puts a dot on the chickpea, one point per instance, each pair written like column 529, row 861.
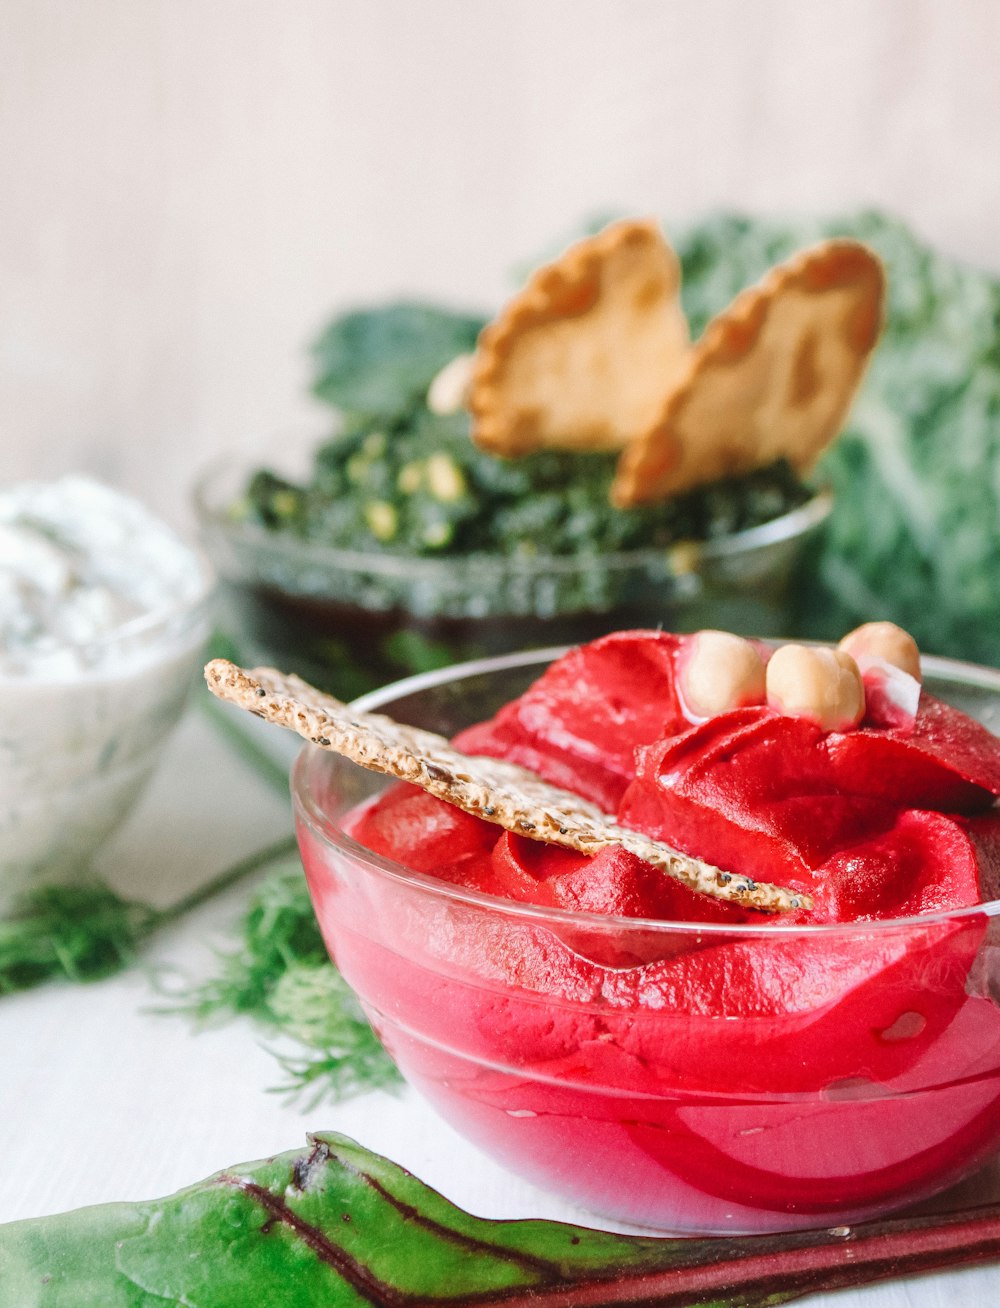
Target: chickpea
column 720, row 672
column 823, row 685
column 886, row 641
column 450, row 388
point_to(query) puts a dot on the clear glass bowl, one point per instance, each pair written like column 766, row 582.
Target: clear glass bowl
column 349, row 621
column 82, row 731
column 681, row 1076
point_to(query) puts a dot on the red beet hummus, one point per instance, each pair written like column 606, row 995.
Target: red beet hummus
column 881, row 821
column 764, row 1072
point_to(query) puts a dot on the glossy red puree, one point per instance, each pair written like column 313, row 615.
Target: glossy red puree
column 698, row 1079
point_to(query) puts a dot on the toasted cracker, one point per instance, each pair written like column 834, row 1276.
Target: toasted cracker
column 582, row 357
column 772, row 377
column 489, row 788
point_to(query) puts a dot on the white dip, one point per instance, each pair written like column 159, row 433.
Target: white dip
column 102, row 619
column 77, row 562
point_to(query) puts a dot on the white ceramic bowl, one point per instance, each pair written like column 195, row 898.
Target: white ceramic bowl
column 77, row 746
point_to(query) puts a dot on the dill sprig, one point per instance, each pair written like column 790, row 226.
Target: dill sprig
column 281, row 977
column 87, row 931
column 76, row 933
column 342, row 1056
column 277, row 931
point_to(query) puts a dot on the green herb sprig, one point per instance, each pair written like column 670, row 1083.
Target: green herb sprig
column 87, row 931
column 281, row 977
column 71, row 933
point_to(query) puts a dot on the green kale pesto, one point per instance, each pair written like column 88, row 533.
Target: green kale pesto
column 398, row 479
column 414, row 484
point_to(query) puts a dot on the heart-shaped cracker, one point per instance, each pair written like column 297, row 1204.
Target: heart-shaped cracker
column 581, row 358
column 772, row 377
column 499, row 792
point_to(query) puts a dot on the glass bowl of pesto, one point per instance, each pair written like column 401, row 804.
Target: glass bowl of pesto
column 406, row 551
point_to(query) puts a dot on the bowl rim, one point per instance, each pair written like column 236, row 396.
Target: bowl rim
column 307, row 810
column 787, row 526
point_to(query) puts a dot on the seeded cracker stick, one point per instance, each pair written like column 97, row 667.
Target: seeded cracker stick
column 772, row 377
column 582, row 357
column 500, row 792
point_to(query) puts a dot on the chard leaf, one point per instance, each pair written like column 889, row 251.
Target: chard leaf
column 337, row 1225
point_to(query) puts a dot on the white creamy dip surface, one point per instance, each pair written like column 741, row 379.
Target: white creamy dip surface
column 103, row 614
column 78, row 561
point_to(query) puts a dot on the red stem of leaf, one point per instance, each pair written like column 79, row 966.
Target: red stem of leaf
column 748, row 1272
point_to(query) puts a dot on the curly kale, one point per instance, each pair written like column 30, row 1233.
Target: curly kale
column 915, row 532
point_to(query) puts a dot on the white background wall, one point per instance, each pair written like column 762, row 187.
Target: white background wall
column 190, row 187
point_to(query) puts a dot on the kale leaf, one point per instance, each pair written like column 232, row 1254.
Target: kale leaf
column 382, row 360
column 915, row 533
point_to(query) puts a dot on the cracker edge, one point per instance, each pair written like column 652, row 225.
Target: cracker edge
column 289, row 702
column 733, row 333
column 531, row 307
